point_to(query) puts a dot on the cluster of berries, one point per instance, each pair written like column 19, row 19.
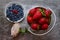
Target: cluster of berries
column 15, row 12
column 39, row 18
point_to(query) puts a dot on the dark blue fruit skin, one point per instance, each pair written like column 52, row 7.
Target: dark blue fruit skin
column 11, row 15
column 19, row 7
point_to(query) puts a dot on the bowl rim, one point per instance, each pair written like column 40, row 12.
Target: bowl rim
column 50, row 28
column 7, row 5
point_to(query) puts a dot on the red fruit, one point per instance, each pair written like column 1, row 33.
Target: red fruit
column 45, row 26
column 42, row 21
column 29, row 19
column 35, row 26
column 48, row 13
column 47, row 20
column 32, row 12
column 37, row 15
column 37, row 8
column 15, row 11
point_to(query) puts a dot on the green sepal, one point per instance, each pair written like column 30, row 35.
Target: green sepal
column 42, row 11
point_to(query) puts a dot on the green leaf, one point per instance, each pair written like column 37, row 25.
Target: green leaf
column 23, row 30
column 42, row 11
column 20, row 30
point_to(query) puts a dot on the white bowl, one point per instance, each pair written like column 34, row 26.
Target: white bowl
column 9, row 4
column 52, row 23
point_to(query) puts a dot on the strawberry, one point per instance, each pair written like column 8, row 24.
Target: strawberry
column 35, row 26
column 48, row 20
column 29, row 19
column 44, row 26
column 37, row 15
column 37, row 8
column 42, row 21
column 48, row 13
column 32, row 12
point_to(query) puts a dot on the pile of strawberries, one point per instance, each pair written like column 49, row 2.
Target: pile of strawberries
column 39, row 18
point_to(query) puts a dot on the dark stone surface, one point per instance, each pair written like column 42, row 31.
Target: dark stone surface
column 5, row 26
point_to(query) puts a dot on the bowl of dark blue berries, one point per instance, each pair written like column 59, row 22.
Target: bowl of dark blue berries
column 14, row 12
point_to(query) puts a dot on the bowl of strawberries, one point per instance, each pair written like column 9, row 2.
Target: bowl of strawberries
column 41, row 20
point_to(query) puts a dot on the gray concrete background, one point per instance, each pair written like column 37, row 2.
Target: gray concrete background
column 5, row 26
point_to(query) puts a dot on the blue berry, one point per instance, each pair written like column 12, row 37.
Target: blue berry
column 15, row 18
column 20, row 9
column 10, row 8
column 9, row 16
column 18, row 6
column 20, row 13
column 11, row 19
column 8, row 12
column 13, row 6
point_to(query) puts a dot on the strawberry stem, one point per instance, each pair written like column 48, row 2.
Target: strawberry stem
column 42, row 11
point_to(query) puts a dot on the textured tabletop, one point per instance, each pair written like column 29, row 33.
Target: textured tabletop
column 5, row 25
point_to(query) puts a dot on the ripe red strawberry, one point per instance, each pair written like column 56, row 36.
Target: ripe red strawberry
column 37, row 15
column 42, row 21
column 37, row 8
column 32, row 12
column 48, row 20
column 29, row 19
column 48, row 13
column 35, row 26
column 44, row 27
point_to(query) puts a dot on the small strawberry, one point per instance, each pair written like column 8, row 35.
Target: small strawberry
column 48, row 20
column 44, row 27
column 48, row 13
column 32, row 12
column 37, row 8
column 29, row 19
column 42, row 21
column 37, row 15
column 35, row 26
